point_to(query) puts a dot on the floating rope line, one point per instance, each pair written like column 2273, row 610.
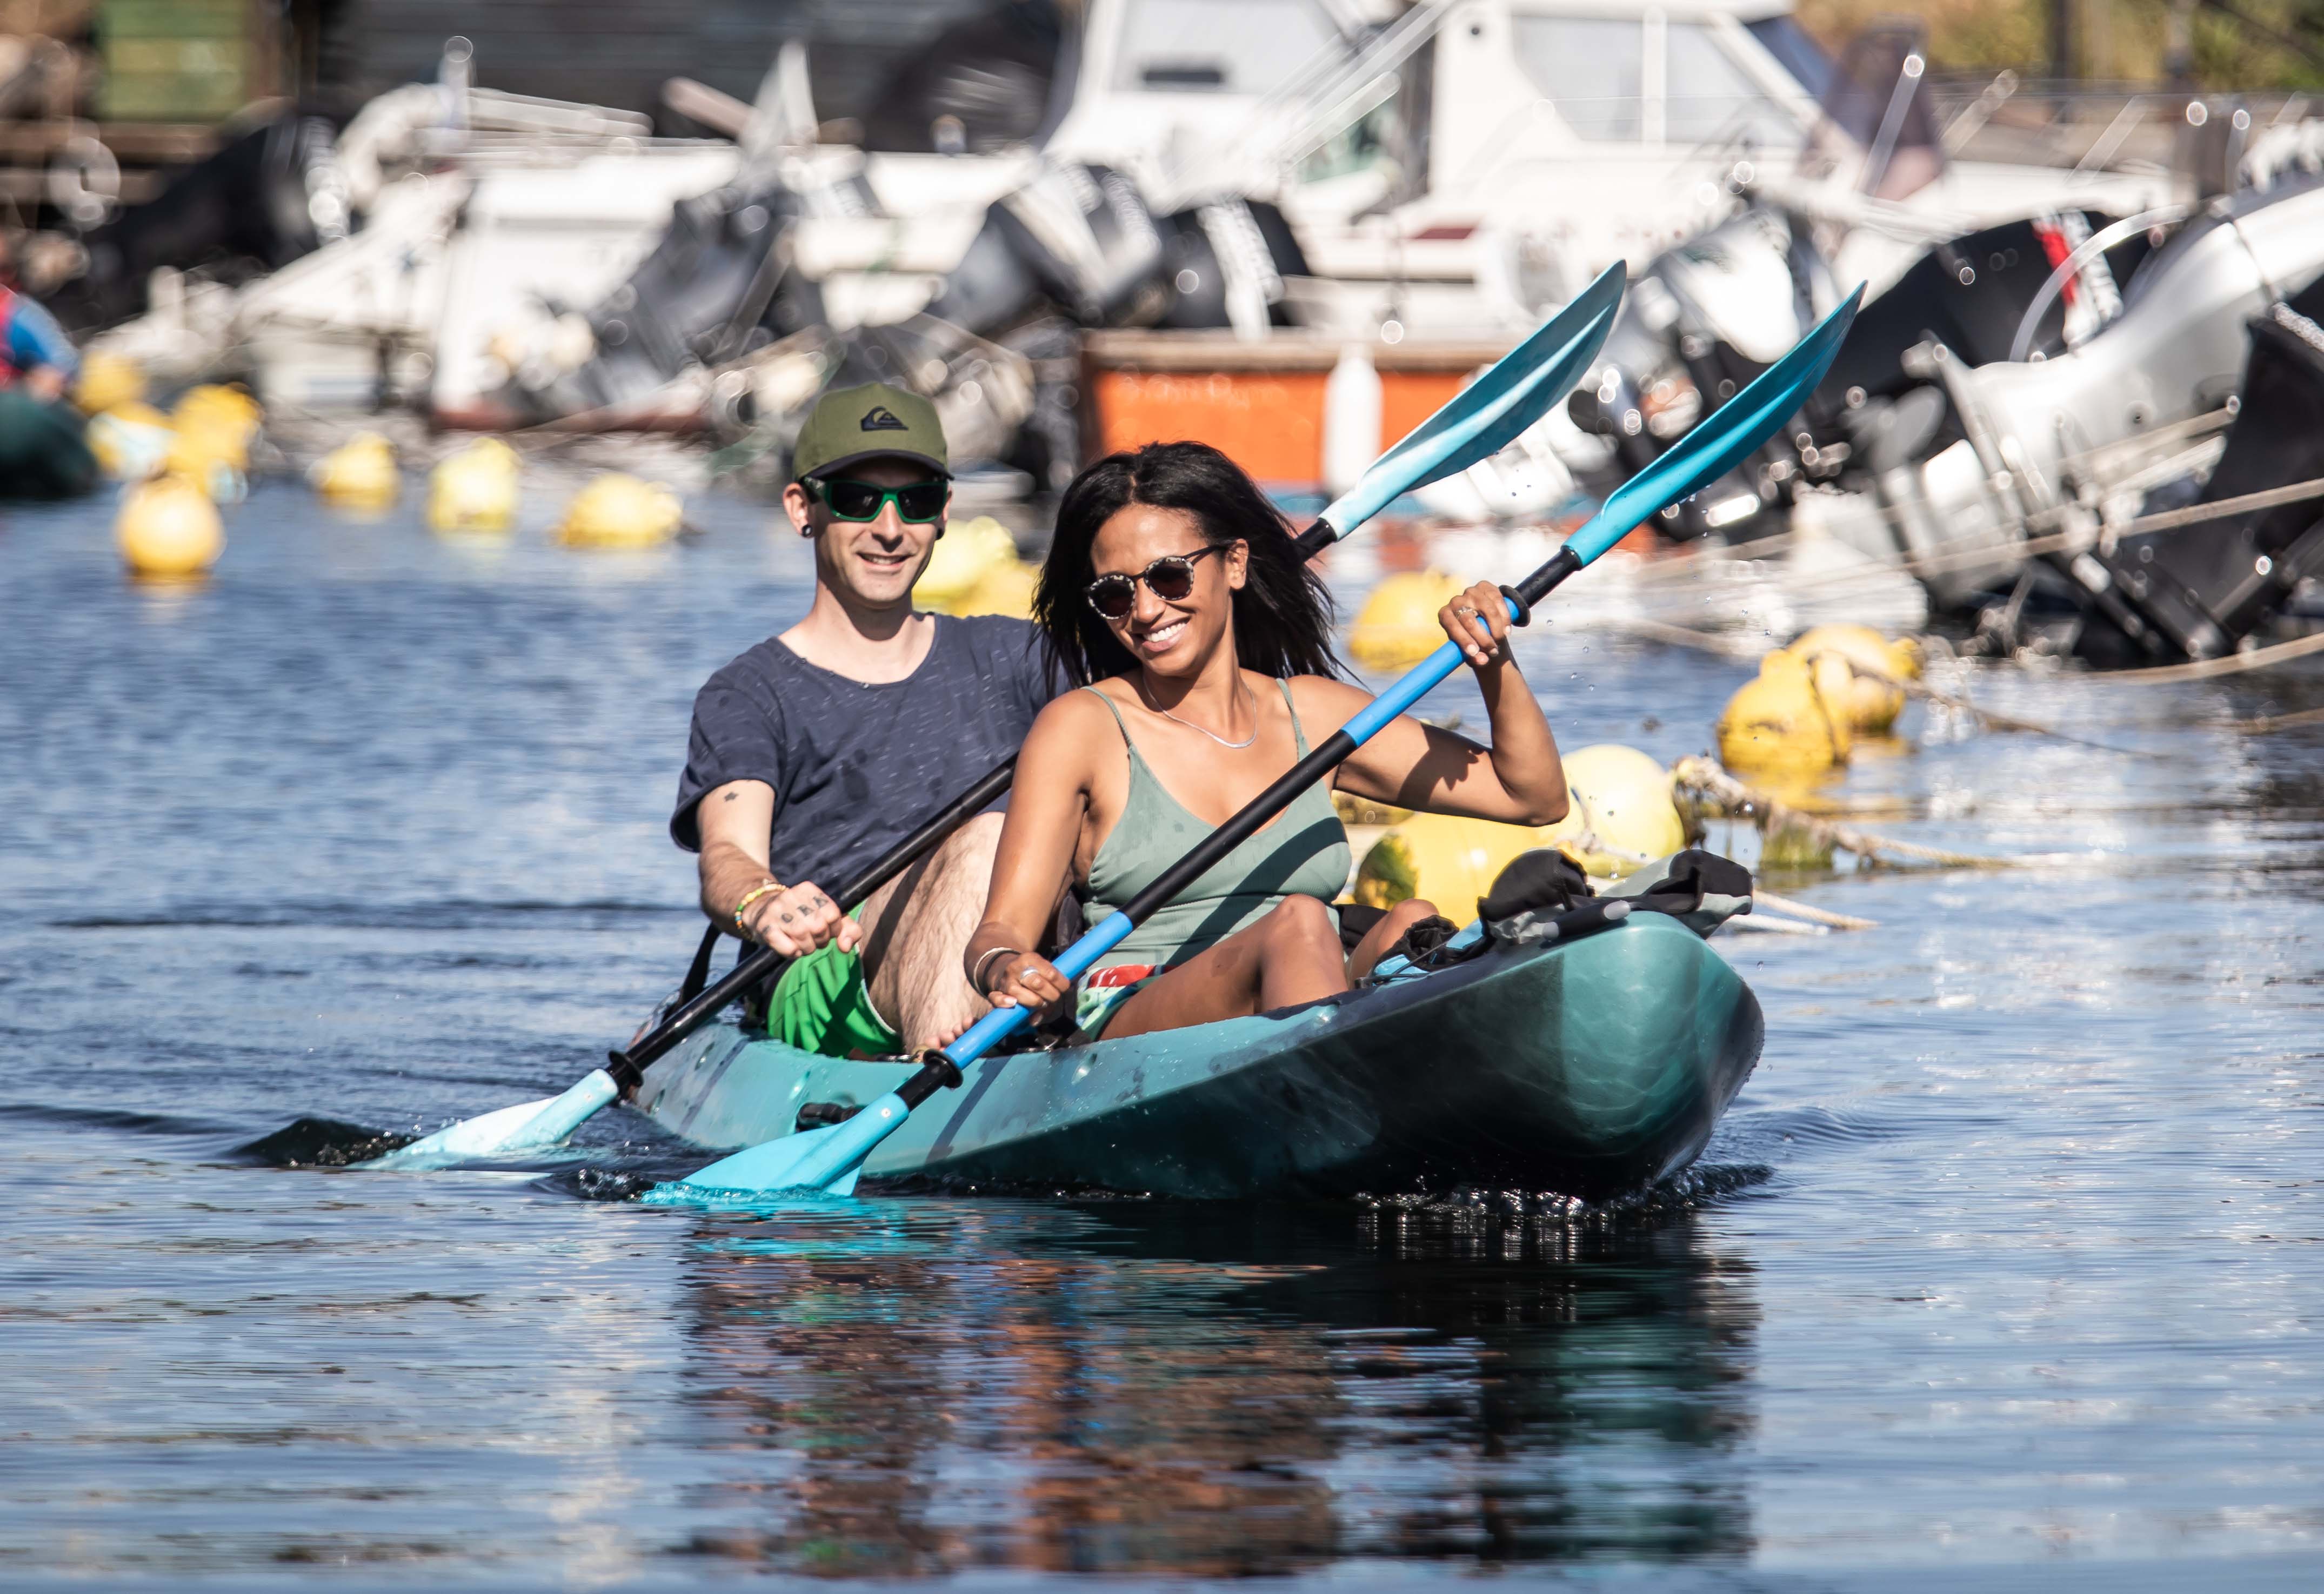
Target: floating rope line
column 2202, row 669
column 1704, row 778
column 2078, row 541
column 1814, row 916
column 2282, row 722
column 1708, row 642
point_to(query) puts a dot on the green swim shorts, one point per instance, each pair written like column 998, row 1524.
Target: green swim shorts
column 820, row 1005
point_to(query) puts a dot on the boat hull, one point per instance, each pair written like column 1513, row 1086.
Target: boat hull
column 1588, row 1069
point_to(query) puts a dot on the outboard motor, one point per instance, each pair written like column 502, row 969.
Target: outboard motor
column 2176, row 352
column 1225, row 262
column 1703, row 320
column 265, row 199
column 2202, row 588
column 1971, row 294
column 1079, row 236
column 717, row 286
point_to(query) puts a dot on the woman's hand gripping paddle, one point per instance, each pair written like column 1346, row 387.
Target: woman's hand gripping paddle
column 1477, row 422
column 829, row 1159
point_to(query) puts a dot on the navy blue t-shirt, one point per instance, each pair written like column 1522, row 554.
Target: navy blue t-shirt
column 857, row 767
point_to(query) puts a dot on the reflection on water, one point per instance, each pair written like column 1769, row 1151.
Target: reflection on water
column 1157, row 1388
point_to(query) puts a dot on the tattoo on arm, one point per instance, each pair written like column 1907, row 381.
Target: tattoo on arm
column 732, row 796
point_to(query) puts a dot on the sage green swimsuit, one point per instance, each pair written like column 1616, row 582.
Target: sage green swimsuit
column 1302, row 852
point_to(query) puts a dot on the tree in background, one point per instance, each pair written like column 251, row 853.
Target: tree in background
column 2232, row 43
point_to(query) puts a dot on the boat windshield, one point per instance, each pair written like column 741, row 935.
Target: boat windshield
column 1245, row 47
column 1712, row 100
column 1592, row 67
column 1596, row 71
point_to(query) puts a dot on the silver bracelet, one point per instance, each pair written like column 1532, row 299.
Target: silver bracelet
column 976, row 974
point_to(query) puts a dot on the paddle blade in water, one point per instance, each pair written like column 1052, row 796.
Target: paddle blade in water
column 1723, row 439
column 530, row 1126
column 1487, row 415
column 820, row 1159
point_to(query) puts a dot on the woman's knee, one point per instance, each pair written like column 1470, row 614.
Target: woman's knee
column 1303, row 921
column 1406, row 914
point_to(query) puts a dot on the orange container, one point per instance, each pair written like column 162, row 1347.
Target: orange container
column 1260, row 403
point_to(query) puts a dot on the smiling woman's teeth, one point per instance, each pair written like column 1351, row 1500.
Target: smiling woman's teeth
column 1162, row 637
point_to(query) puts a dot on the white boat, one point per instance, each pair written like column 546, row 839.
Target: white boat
column 1467, row 163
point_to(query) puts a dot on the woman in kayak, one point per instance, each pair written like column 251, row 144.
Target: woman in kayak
column 1202, row 642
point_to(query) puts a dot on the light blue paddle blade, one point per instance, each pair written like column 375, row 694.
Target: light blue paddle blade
column 529, row 1126
column 828, row 1159
column 820, row 1159
column 1724, row 438
column 1488, row 414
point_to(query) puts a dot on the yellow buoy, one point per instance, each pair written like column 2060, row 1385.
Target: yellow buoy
column 1791, row 719
column 618, row 511
column 359, row 473
column 1871, row 700
column 107, row 380
column 169, row 530
column 213, row 403
column 213, row 430
column 1006, row 590
column 968, row 553
column 130, row 440
column 474, row 490
column 1627, row 814
column 1397, row 627
column 1451, row 862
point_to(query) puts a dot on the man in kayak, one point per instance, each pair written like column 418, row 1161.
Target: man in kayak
column 42, row 451
column 819, row 749
column 36, row 357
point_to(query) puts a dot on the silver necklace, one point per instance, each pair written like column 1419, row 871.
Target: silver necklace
column 1214, row 735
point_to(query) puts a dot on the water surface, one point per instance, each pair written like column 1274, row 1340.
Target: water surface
column 2003, row 1270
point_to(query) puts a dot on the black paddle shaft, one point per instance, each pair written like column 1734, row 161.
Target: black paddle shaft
column 939, row 1071
column 628, row 1066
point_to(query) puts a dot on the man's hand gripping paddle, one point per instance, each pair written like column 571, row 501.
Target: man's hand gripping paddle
column 829, row 1159
column 1476, row 423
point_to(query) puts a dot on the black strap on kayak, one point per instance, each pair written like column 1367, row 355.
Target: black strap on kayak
column 698, row 973
column 628, row 1066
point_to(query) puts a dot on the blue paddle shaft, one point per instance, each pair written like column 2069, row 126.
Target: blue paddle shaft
column 1714, row 447
column 1718, row 444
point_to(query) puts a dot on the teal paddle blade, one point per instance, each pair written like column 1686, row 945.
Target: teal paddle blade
column 1722, row 439
column 1488, row 414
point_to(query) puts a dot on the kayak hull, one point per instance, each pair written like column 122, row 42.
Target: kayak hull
column 1588, row 1069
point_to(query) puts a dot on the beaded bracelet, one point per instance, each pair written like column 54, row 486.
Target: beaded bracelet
column 753, row 895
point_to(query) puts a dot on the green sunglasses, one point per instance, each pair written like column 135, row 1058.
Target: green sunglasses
column 918, row 503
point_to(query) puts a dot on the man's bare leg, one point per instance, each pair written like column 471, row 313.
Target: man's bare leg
column 916, row 928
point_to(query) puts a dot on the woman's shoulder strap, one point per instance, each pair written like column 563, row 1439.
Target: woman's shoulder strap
column 1298, row 731
column 1111, row 708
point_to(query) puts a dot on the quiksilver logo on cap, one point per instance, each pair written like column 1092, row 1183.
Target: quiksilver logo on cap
column 883, row 419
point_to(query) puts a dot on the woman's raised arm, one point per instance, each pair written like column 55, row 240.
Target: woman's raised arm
column 1518, row 780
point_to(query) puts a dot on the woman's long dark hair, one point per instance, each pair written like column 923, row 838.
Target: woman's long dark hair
column 1282, row 615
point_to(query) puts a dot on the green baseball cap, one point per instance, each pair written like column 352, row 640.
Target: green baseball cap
column 873, row 422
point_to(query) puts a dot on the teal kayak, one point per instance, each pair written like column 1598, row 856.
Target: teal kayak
column 43, row 448
column 1589, row 1068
